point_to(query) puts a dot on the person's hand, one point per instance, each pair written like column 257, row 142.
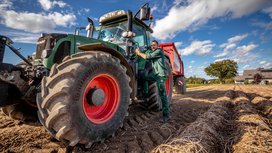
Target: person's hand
column 137, row 51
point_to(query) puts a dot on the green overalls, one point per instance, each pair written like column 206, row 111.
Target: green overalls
column 159, row 75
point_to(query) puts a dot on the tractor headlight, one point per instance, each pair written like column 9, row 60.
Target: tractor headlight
column 45, row 53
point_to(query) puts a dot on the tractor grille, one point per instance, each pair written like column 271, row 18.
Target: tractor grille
column 40, row 47
column 42, row 41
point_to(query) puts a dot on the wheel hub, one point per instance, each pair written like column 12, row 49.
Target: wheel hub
column 95, row 97
column 101, row 98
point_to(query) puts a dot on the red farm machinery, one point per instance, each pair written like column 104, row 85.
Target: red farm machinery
column 177, row 67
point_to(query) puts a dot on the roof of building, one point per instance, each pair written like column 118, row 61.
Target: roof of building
column 249, row 74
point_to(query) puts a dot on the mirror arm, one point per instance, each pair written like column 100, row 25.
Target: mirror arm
column 129, row 16
column 146, row 4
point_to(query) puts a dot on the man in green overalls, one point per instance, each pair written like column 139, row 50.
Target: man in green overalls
column 156, row 56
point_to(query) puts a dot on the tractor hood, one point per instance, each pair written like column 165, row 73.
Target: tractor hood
column 84, row 41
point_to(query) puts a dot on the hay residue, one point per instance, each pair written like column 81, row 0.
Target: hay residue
column 253, row 133
column 203, row 135
column 264, row 105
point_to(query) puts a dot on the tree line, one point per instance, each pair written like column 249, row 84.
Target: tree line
column 224, row 71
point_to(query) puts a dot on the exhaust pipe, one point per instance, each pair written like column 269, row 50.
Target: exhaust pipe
column 90, row 28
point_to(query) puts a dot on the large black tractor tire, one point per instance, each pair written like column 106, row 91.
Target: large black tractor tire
column 63, row 107
column 170, row 82
column 154, row 101
column 180, row 89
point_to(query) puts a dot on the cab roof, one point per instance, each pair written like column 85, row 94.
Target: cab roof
column 120, row 16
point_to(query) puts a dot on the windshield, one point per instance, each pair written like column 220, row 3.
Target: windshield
column 113, row 34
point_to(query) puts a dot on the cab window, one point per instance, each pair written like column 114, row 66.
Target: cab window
column 140, row 35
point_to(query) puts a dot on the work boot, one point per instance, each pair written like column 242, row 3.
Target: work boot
column 165, row 118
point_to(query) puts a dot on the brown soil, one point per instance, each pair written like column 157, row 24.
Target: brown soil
column 142, row 131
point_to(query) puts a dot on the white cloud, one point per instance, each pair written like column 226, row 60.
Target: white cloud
column 154, row 8
column 22, row 37
column 231, row 44
column 242, row 54
column 248, row 58
column 62, row 19
column 47, row 4
column 190, row 66
column 178, row 44
column 5, row 4
column 198, row 47
column 195, row 13
column 246, row 66
column 245, row 49
column 178, row 2
column 220, row 59
column 237, row 38
column 192, row 61
column 262, row 24
column 83, row 11
column 34, row 22
column 268, row 11
column 266, row 64
column 224, row 53
column 262, row 62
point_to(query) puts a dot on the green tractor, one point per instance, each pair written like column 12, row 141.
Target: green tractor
column 82, row 86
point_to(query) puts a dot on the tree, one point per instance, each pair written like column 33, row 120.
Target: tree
column 223, row 70
column 195, row 80
column 257, row 78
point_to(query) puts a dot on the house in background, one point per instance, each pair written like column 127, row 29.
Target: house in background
column 248, row 76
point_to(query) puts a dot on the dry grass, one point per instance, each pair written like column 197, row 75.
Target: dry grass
column 253, row 139
column 264, row 105
column 203, row 135
column 249, row 131
column 253, row 134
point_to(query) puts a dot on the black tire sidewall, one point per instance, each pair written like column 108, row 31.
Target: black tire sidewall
column 79, row 119
column 169, row 72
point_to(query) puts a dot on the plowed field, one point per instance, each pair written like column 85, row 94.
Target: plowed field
column 219, row 118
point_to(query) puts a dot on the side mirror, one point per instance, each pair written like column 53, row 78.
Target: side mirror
column 128, row 34
column 145, row 13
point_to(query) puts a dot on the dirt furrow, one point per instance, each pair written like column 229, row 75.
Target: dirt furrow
column 206, row 134
column 257, row 90
column 253, row 134
column 141, row 131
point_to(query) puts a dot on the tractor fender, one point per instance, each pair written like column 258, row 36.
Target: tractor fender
column 115, row 53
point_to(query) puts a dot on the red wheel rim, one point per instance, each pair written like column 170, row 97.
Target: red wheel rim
column 167, row 85
column 104, row 112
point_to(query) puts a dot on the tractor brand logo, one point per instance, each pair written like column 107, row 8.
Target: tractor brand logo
column 40, row 42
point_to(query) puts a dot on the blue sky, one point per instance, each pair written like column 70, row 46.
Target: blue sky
column 204, row 31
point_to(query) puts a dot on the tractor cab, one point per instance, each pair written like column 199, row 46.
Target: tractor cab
column 119, row 26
